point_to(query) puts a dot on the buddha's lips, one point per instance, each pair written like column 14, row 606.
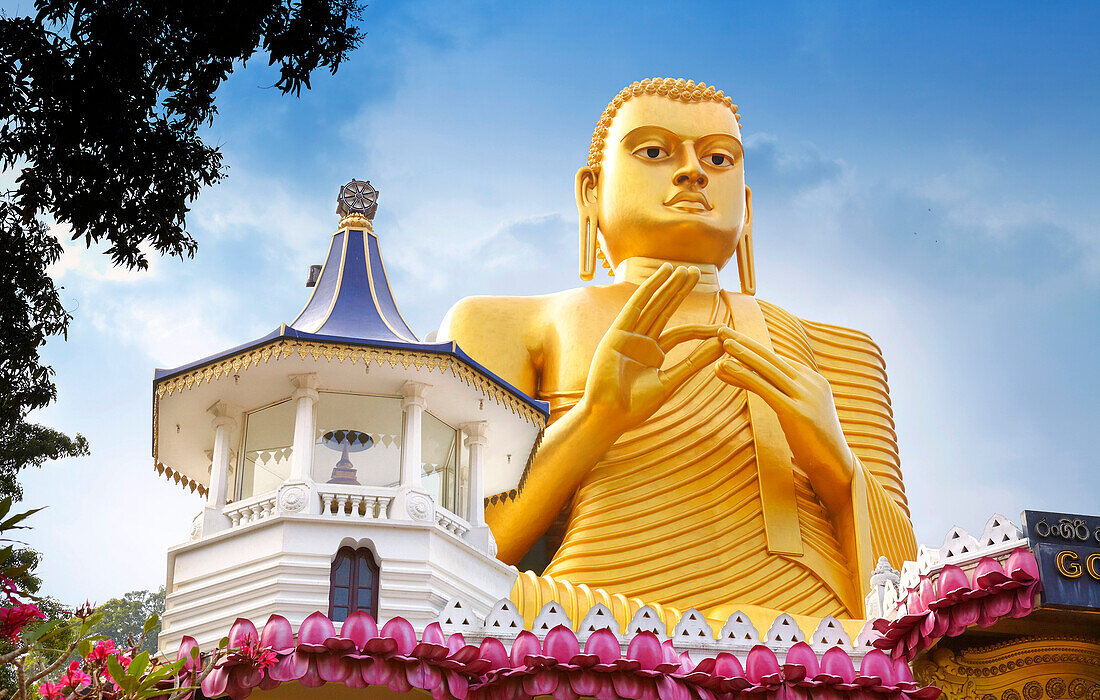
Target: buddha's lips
column 689, row 197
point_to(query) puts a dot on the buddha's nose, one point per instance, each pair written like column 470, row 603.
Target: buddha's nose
column 690, row 172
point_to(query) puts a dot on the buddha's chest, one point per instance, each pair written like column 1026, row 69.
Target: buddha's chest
column 571, row 341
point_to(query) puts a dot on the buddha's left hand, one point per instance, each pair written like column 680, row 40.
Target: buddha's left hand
column 804, row 403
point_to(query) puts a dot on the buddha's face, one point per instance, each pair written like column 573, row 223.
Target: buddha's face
column 672, row 182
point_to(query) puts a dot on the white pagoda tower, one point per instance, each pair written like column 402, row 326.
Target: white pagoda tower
column 341, row 459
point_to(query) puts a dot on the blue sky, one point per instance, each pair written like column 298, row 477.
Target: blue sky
column 925, row 174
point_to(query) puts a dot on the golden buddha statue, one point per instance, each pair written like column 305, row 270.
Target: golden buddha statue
column 705, row 449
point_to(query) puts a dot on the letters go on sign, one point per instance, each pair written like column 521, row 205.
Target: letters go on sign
column 1067, row 548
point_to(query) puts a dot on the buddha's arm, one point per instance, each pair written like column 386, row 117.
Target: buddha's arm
column 625, row 385
column 504, row 334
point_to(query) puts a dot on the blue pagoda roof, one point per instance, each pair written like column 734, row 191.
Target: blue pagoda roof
column 352, row 297
column 352, row 303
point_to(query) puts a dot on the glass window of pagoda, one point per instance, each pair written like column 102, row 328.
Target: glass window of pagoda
column 353, row 584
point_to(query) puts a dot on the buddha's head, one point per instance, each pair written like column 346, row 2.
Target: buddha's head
column 665, row 179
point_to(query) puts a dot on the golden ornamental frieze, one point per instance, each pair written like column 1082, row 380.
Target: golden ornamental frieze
column 329, row 352
column 1029, row 668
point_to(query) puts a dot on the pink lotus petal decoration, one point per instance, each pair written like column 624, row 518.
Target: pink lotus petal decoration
column 955, row 603
column 361, row 656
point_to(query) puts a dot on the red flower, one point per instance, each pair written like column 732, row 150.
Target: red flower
column 51, row 691
column 74, row 676
column 102, row 650
column 15, row 617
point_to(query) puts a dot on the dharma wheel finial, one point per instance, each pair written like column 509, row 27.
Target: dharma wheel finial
column 357, row 198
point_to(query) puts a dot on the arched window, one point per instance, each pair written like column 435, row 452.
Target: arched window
column 353, row 584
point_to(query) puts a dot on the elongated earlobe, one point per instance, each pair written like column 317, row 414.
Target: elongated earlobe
column 587, row 214
column 746, row 267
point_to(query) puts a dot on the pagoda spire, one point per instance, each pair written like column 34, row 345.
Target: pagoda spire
column 352, row 297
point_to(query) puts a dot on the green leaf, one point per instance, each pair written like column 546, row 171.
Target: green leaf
column 42, row 632
column 224, row 643
column 84, row 647
column 118, row 673
column 150, row 624
column 139, row 664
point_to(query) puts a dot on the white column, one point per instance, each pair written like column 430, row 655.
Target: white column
column 413, row 402
column 301, row 459
column 475, row 491
column 213, row 519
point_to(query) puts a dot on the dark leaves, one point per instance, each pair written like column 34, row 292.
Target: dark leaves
column 100, row 106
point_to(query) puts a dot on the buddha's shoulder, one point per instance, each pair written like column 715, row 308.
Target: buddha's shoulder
column 520, row 313
column 823, row 337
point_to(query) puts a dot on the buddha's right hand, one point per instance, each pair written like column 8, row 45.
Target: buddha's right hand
column 626, row 383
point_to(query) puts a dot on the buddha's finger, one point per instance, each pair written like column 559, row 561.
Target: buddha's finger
column 670, row 294
column 761, row 366
column 761, row 350
column 702, row 356
column 736, row 374
column 691, row 331
column 627, row 319
column 665, row 310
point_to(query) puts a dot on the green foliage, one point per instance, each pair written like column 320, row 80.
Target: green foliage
column 124, row 619
column 100, row 109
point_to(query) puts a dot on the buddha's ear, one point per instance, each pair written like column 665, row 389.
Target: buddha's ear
column 746, row 267
column 587, row 215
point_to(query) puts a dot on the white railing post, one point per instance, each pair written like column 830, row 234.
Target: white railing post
column 213, row 519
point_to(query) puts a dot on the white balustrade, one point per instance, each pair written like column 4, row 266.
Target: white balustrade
column 355, row 504
column 451, row 522
column 251, row 510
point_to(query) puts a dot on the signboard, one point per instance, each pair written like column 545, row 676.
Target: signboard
column 1067, row 548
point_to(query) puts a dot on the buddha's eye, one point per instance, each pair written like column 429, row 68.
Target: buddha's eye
column 651, row 153
column 718, row 160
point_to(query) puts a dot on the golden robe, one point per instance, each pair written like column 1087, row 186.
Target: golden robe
column 673, row 514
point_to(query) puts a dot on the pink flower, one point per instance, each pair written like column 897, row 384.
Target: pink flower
column 15, row 617
column 102, row 650
column 51, row 691
column 261, row 657
column 74, row 676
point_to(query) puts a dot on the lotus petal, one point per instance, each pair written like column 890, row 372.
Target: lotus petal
column 433, row 634
column 628, row 685
column 290, row 667
column 878, row 666
column 359, row 627
column 278, row 635
column 836, row 662
column 588, row 683
column 333, row 668
column 800, row 656
column 455, row 642
column 526, row 644
column 952, row 583
column 215, row 682
column 762, row 666
column 995, row 607
column 544, row 682
column 193, row 663
column 312, row 677
column 963, row 615
column 241, row 632
column 604, row 644
column 399, row 630
column 561, row 644
column 1021, row 566
column 314, row 631
column 493, row 651
column 989, row 574
column 564, row 691
column 646, row 649
column 456, row 684
column 727, row 665
column 423, row 676
column 902, row 672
